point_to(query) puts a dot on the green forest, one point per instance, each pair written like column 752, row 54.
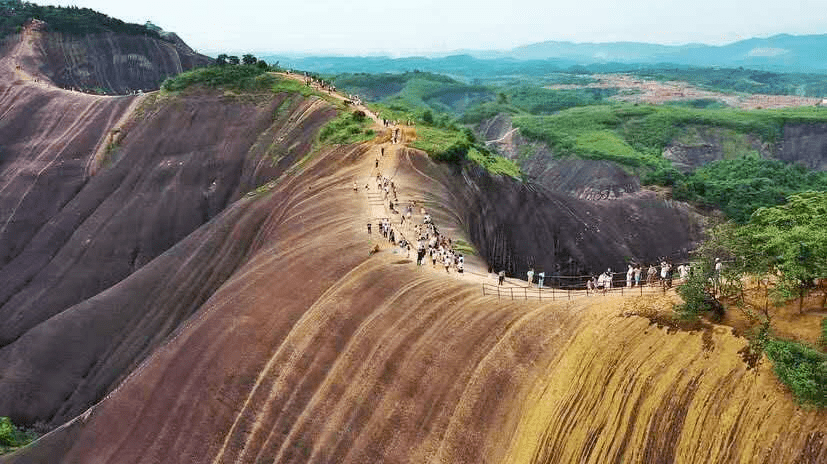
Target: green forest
column 68, row 20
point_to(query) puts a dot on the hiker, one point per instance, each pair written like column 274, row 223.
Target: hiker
column 650, row 274
column 609, row 277
column 630, row 273
column 540, row 278
column 501, row 277
column 589, row 286
column 664, row 270
column 638, row 271
column 683, row 270
column 530, row 274
column 369, row 228
column 391, row 237
column 355, row 187
column 420, row 252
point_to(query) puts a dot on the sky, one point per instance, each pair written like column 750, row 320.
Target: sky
column 394, row 28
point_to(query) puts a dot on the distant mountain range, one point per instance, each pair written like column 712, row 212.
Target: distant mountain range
column 780, row 53
column 787, row 53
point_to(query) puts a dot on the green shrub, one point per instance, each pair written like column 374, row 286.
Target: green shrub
column 696, row 293
column 12, row 437
column 453, row 153
column 665, row 176
column 68, row 20
column 347, row 128
column 802, row 369
column 232, row 76
column 493, row 163
column 741, row 186
column 824, row 332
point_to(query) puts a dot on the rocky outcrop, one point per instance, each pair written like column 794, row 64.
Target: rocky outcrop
column 516, row 225
column 805, row 144
column 578, row 178
column 100, row 63
column 695, row 146
column 93, row 190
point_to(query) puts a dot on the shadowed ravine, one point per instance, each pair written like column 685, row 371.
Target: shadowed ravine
column 261, row 329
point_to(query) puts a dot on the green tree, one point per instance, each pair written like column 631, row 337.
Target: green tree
column 428, row 117
column 221, row 60
column 233, row 59
column 790, row 239
column 249, row 59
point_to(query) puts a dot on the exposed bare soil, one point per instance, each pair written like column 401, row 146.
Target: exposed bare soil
column 635, row 90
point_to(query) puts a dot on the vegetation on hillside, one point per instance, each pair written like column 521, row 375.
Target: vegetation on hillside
column 582, row 124
column 788, row 245
column 824, row 332
column 741, row 80
column 12, row 437
column 347, row 128
column 68, row 20
column 741, row 186
column 232, row 76
column 801, row 368
column 453, row 145
column 637, row 134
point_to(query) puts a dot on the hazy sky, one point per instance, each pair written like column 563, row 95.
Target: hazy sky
column 359, row 27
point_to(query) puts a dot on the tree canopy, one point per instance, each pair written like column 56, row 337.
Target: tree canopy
column 791, row 238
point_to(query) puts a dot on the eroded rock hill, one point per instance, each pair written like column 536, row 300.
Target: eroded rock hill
column 157, row 312
column 92, row 192
column 105, row 62
column 314, row 351
column 800, row 143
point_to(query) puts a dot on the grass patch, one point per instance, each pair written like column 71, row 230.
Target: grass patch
column 242, row 78
column 453, row 146
column 235, row 77
column 347, row 128
column 635, row 135
column 436, row 141
column 464, row 247
column 802, row 369
column 494, row 164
